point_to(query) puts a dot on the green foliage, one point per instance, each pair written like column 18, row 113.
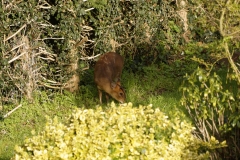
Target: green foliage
column 31, row 116
column 212, row 98
column 212, row 102
column 152, row 85
column 147, row 31
column 38, row 44
column 204, row 94
column 213, row 22
column 123, row 132
column 51, row 31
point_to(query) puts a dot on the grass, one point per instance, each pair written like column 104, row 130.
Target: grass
column 148, row 87
column 18, row 126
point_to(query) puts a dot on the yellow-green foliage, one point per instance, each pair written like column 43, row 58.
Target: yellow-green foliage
column 120, row 132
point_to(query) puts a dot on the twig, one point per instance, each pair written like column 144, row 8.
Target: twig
column 222, row 18
column 15, row 83
column 47, row 25
column 15, row 58
column 234, row 141
column 88, row 58
column 51, row 81
column 43, row 51
column 205, row 131
column 89, row 9
column 15, row 33
column 234, row 67
column 221, row 23
column 48, row 38
column 37, row 69
column 85, row 68
column 214, row 127
column 52, row 87
column 47, row 58
column 81, row 42
column 62, row 86
column 6, row 115
column 87, row 28
column 16, row 47
column 45, row 6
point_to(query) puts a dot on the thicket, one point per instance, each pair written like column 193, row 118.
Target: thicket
column 211, row 92
column 120, row 132
column 41, row 44
column 47, row 44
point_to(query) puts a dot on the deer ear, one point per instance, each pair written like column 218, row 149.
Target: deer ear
column 113, row 84
column 117, row 80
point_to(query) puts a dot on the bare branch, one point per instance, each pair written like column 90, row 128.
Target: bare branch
column 19, row 88
column 15, row 58
column 81, row 42
column 15, row 33
column 89, row 58
column 6, row 115
column 47, row 25
column 34, row 71
column 48, row 38
column 221, row 20
column 49, row 86
column 51, row 59
column 233, row 65
column 89, row 9
column 16, row 47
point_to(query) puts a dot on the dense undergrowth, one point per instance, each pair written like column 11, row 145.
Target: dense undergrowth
column 119, row 132
column 148, row 87
column 42, row 43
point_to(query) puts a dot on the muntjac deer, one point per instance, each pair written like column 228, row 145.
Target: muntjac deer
column 107, row 74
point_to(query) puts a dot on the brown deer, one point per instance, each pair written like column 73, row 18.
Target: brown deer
column 107, row 74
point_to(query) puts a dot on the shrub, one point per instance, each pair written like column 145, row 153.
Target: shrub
column 123, row 132
column 41, row 42
column 212, row 101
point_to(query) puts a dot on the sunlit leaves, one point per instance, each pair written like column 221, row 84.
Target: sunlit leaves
column 123, row 132
column 208, row 100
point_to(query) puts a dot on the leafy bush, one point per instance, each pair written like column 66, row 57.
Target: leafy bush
column 46, row 44
column 41, row 42
column 213, row 102
column 211, row 98
column 145, row 32
column 123, row 132
column 206, row 100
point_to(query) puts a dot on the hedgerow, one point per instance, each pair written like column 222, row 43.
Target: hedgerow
column 119, row 132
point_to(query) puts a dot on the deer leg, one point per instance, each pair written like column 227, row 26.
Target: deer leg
column 100, row 95
column 107, row 97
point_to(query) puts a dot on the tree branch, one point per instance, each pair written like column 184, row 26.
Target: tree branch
column 6, row 115
column 234, row 67
column 15, row 33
